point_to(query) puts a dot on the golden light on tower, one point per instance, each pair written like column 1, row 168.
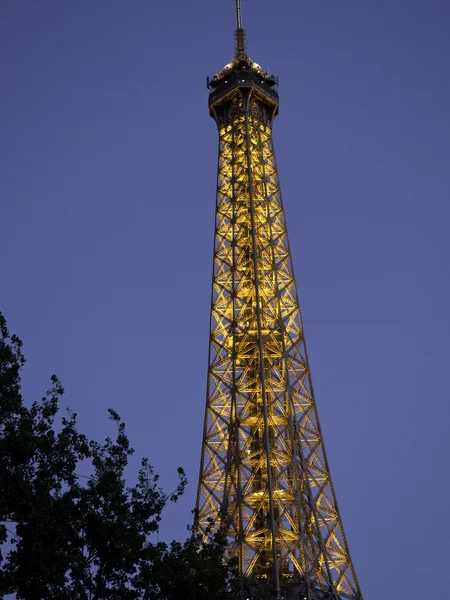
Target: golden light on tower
column 264, row 476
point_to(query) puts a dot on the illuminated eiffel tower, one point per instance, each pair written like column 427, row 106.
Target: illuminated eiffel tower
column 264, row 475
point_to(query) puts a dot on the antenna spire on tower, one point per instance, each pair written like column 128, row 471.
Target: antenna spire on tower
column 239, row 34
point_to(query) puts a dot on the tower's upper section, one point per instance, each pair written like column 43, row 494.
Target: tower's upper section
column 242, row 72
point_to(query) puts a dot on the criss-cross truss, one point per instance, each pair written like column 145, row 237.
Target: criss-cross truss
column 264, row 477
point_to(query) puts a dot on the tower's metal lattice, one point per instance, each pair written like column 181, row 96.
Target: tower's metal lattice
column 264, row 477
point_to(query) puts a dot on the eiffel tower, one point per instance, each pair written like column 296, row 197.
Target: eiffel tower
column 264, row 480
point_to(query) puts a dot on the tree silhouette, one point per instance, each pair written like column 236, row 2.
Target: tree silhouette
column 66, row 537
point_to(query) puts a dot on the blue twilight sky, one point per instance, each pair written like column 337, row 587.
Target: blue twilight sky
column 107, row 190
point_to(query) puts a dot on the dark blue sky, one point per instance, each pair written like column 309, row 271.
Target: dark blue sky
column 107, row 189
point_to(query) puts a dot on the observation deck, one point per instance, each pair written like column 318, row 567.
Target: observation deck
column 242, row 73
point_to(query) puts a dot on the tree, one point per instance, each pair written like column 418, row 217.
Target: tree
column 189, row 570
column 67, row 537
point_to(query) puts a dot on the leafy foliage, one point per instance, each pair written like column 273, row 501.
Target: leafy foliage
column 66, row 537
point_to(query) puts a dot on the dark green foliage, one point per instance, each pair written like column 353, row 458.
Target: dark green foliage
column 189, row 570
column 66, row 537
